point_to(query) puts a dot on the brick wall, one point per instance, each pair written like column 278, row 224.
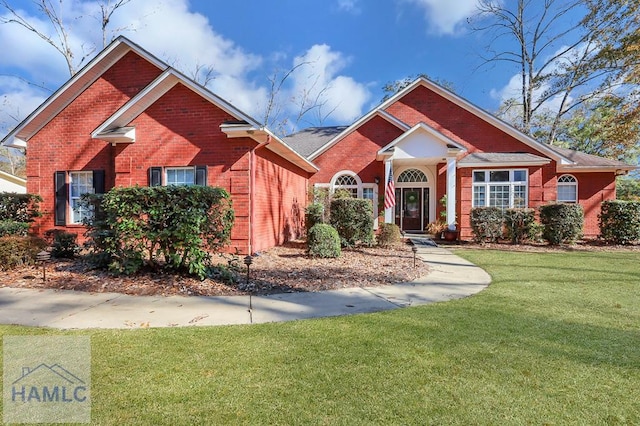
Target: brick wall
column 280, row 196
column 180, row 129
column 65, row 142
column 357, row 153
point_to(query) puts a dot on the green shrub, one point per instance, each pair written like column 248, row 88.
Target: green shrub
column 353, row 219
column 619, row 221
column 165, row 227
column 519, row 224
column 19, row 207
column 323, row 241
column 562, row 222
column 16, row 251
column 487, row 224
column 64, row 244
column 12, row 227
column 314, row 213
column 389, row 234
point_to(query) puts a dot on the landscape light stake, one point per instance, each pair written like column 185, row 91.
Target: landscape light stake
column 42, row 258
column 248, row 260
column 414, row 249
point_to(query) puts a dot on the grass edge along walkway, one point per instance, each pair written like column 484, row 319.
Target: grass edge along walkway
column 553, row 340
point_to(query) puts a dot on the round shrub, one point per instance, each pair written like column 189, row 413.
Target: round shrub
column 389, row 234
column 353, row 219
column 487, row 224
column 519, row 224
column 12, row 227
column 314, row 214
column 323, row 241
column 562, row 222
column 619, row 221
column 16, row 251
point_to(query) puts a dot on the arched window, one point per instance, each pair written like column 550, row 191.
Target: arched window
column 412, row 175
column 567, row 189
column 348, row 183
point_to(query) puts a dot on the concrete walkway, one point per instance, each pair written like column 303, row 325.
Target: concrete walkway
column 451, row 277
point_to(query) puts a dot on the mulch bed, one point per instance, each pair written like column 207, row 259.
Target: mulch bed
column 277, row 270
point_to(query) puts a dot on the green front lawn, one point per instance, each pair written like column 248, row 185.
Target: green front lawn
column 554, row 340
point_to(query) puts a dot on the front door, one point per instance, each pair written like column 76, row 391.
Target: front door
column 412, row 208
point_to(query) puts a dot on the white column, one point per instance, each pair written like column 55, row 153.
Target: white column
column 451, row 192
column 388, row 170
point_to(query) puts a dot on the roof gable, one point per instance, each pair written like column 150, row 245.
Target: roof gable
column 411, row 144
column 154, row 91
column 352, row 128
column 62, row 97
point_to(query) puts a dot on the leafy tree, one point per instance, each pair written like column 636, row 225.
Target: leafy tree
column 628, row 188
column 558, row 58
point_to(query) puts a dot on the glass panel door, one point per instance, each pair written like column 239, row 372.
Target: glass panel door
column 412, row 209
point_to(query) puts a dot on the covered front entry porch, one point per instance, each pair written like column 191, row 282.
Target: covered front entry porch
column 415, row 198
column 411, row 172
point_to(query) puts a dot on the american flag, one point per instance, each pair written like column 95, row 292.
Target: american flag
column 390, row 193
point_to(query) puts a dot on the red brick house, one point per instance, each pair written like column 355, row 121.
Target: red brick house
column 432, row 143
column 128, row 118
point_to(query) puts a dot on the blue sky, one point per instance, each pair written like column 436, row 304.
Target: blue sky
column 350, row 48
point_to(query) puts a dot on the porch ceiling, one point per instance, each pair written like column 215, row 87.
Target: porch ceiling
column 421, row 144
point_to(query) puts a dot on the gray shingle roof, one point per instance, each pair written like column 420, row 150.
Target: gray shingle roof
column 489, row 158
column 587, row 160
column 308, row 141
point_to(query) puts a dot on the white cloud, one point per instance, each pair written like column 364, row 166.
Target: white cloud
column 18, row 100
column 513, row 90
column 186, row 40
column 317, row 78
column 350, row 6
column 445, row 16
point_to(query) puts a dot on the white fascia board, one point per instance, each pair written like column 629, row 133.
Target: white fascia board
column 491, row 119
column 158, row 88
column 272, row 142
column 445, row 140
column 14, row 142
column 62, row 97
column 595, row 169
column 508, row 164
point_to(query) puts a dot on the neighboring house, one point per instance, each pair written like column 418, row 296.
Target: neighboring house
column 431, row 143
column 127, row 118
column 12, row 183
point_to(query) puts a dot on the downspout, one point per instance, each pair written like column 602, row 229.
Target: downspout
column 252, row 188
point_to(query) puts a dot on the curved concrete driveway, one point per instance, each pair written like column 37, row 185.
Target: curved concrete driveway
column 451, row 277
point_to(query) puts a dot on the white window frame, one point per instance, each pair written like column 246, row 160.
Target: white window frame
column 76, row 214
column 359, row 188
column 350, row 188
column 566, row 184
column 170, row 169
column 511, row 184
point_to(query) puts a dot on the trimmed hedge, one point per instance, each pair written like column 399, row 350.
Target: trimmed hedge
column 619, row 221
column 563, row 223
column 353, row 219
column 64, row 244
column 323, row 241
column 519, row 224
column 18, row 251
column 12, row 227
column 314, row 214
column 19, row 207
column 487, row 224
column 389, row 234
column 164, row 227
